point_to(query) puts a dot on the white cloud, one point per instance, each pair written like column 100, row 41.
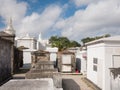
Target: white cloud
column 84, row 2
column 34, row 23
column 37, row 23
column 98, row 18
column 11, row 8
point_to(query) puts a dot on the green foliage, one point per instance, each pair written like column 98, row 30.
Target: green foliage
column 88, row 39
column 74, row 44
column 62, row 42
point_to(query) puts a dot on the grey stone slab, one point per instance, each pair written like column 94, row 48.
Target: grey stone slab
column 57, row 80
column 44, row 74
column 31, row 84
column 69, row 84
column 58, row 88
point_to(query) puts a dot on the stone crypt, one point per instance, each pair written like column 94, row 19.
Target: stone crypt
column 41, row 66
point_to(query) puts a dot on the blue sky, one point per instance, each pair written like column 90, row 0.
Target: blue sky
column 40, row 5
column 75, row 19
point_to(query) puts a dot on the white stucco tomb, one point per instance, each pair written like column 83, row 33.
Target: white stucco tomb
column 53, row 53
column 102, row 55
column 30, row 44
column 81, row 60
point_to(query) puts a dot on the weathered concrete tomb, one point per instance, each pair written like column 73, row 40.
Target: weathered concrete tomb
column 66, row 61
column 10, row 57
column 38, row 56
column 41, row 66
column 6, row 55
column 30, row 84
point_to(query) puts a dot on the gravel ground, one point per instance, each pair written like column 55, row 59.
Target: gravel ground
column 78, row 80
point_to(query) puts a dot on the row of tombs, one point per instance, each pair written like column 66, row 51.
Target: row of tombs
column 42, row 67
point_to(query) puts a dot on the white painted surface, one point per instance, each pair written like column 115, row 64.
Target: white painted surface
column 111, row 50
column 66, row 59
column 53, row 53
column 52, row 49
column 32, row 44
column 66, row 68
column 94, row 51
column 83, row 66
column 29, row 43
column 53, row 56
column 27, row 58
column 104, row 51
column 116, row 61
column 40, row 46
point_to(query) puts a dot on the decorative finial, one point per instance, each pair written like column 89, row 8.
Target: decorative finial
column 10, row 29
column 27, row 35
column 10, row 21
column 40, row 37
column 10, row 24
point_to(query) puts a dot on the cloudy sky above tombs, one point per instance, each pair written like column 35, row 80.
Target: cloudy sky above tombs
column 74, row 19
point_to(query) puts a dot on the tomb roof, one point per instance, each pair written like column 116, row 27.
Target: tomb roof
column 102, row 40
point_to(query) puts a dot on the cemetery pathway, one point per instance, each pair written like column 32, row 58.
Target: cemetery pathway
column 79, row 80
